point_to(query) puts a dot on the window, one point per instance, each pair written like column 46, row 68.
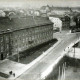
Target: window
column 26, row 38
column 6, row 38
column 15, row 37
column 1, row 39
column 23, row 34
column 7, row 46
column 33, row 37
column 2, row 48
column 23, row 40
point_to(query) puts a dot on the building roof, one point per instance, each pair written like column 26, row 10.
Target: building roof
column 21, row 23
column 61, row 8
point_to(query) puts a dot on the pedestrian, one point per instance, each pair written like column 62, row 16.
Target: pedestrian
column 10, row 72
column 14, row 74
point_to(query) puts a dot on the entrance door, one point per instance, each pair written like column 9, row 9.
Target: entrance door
column 2, row 56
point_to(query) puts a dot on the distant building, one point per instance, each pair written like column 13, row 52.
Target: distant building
column 57, row 22
column 59, row 10
column 72, row 22
column 36, row 13
column 2, row 13
column 32, row 12
column 61, row 22
column 45, row 10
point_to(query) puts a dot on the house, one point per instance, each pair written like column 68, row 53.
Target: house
column 57, row 22
column 2, row 13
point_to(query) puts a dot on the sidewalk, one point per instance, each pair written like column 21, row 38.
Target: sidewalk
column 7, row 65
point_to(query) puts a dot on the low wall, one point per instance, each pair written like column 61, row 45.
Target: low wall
column 54, row 74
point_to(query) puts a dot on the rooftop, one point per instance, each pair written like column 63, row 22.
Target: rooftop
column 21, row 23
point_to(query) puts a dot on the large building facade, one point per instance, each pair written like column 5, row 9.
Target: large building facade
column 19, row 34
column 65, row 22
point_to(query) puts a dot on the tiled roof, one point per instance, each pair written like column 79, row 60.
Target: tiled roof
column 20, row 23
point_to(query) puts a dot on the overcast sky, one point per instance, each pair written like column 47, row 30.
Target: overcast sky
column 39, row 3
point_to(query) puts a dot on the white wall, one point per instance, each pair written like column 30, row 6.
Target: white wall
column 56, row 22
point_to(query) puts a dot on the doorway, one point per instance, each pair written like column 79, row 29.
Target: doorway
column 2, row 56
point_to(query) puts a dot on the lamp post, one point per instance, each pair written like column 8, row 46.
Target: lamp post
column 63, row 72
column 68, row 50
column 18, row 56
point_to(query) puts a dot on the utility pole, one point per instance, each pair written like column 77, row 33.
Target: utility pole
column 75, row 69
column 18, row 51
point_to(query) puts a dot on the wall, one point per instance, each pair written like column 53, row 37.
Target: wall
column 5, row 45
column 28, row 38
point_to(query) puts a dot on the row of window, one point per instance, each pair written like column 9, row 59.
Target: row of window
column 31, row 37
column 23, row 46
column 26, row 42
column 32, row 31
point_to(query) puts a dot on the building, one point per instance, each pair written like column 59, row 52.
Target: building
column 2, row 13
column 61, row 22
column 65, row 22
column 57, row 22
column 60, row 10
column 45, row 11
column 20, row 34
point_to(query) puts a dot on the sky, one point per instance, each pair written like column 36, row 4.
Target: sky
column 39, row 3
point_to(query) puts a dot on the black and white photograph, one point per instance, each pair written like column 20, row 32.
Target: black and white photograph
column 39, row 39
